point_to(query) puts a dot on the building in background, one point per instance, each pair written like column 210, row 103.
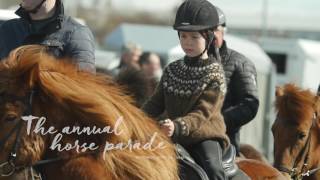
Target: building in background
column 297, row 61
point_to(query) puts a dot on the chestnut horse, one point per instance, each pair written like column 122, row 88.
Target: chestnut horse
column 296, row 132
column 34, row 83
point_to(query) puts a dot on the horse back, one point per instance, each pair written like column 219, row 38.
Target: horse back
column 258, row 170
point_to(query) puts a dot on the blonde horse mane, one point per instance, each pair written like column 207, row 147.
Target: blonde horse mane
column 94, row 100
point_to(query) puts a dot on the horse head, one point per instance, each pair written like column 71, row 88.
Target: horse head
column 41, row 96
column 295, row 130
column 16, row 100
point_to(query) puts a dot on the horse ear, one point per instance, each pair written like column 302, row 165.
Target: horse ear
column 279, row 91
column 318, row 92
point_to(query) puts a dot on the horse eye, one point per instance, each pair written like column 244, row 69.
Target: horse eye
column 301, row 135
column 11, row 118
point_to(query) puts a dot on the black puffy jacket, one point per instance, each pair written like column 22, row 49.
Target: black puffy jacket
column 241, row 102
column 63, row 35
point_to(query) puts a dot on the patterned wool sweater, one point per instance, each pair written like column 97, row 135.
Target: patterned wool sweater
column 191, row 92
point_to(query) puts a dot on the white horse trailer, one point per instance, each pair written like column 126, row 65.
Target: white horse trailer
column 297, row 61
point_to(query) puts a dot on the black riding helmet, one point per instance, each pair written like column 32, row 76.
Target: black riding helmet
column 198, row 16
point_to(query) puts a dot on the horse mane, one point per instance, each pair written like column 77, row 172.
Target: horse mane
column 294, row 104
column 93, row 100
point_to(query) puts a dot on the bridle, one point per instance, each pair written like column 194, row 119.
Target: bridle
column 294, row 172
column 9, row 167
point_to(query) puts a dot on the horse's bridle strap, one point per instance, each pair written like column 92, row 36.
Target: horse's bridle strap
column 310, row 172
column 291, row 172
column 5, row 139
column 49, row 161
column 15, row 168
column 9, row 165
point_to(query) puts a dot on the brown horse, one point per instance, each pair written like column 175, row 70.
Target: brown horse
column 81, row 114
column 255, row 165
column 296, row 133
column 31, row 82
column 258, row 170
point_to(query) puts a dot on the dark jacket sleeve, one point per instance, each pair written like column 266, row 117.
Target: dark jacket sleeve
column 81, row 48
column 154, row 106
column 245, row 84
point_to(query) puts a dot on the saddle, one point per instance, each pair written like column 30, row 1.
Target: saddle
column 187, row 162
column 228, row 161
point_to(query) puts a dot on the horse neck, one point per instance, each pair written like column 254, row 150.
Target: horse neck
column 315, row 144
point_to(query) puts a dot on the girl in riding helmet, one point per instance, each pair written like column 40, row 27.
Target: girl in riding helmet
column 191, row 90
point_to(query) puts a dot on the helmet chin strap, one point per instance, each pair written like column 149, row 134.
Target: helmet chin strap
column 209, row 37
column 36, row 9
column 199, row 56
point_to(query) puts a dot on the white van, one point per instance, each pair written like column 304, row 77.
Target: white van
column 6, row 14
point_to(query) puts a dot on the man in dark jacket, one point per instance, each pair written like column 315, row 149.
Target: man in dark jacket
column 241, row 102
column 43, row 22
